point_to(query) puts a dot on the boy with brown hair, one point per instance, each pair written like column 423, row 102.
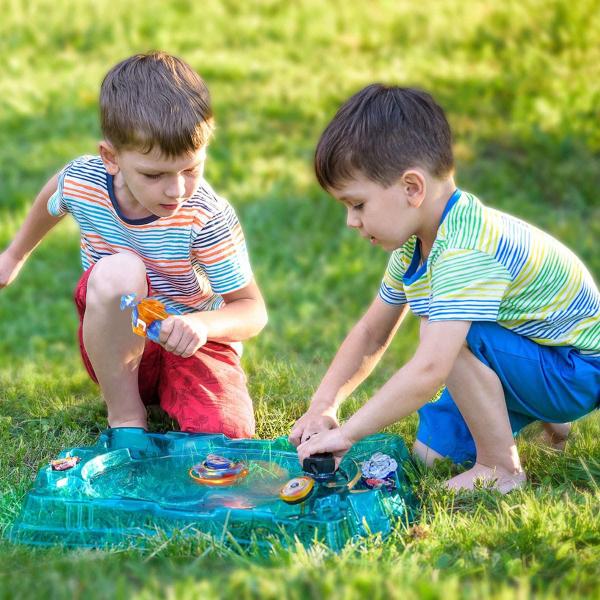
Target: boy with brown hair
column 510, row 318
column 151, row 225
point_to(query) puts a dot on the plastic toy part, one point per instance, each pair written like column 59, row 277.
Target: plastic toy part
column 297, row 490
column 146, row 315
column 378, row 471
column 320, row 466
column 132, row 486
column 64, row 464
column 218, row 471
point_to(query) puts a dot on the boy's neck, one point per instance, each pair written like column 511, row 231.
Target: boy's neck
column 128, row 205
column 438, row 194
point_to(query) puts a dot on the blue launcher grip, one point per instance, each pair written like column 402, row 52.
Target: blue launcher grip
column 153, row 331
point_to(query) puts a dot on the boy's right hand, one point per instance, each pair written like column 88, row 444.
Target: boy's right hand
column 9, row 267
column 312, row 421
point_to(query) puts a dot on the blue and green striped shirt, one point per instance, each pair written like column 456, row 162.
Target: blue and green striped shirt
column 486, row 265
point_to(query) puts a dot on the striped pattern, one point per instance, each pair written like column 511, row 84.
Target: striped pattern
column 192, row 257
column 489, row 266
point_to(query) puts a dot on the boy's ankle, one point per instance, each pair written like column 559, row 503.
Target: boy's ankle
column 141, row 423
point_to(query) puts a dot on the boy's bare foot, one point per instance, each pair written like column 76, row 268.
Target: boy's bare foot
column 495, row 478
column 556, row 435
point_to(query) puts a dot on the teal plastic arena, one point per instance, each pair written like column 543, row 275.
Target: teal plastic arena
column 134, row 485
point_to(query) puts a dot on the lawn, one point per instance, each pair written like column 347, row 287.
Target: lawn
column 520, row 81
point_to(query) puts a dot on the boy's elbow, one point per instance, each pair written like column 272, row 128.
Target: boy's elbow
column 263, row 319
column 260, row 320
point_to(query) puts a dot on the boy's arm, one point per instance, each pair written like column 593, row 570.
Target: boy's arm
column 243, row 316
column 409, row 389
column 36, row 225
column 356, row 358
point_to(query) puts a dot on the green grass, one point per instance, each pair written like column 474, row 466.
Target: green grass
column 520, row 83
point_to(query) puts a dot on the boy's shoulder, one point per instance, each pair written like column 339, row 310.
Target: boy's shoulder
column 87, row 167
column 206, row 199
column 472, row 229
column 471, row 225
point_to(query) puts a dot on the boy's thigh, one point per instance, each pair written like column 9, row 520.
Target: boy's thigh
column 207, row 392
column 547, row 383
column 555, row 384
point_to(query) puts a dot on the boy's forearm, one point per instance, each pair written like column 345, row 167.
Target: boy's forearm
column 234, row 322
column 357, row 357
column 36, row 225
column 409, row 389
column 352, row 364
column 415, row 383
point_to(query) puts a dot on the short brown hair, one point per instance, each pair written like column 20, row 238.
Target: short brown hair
column 155, row 99
column 381, row 132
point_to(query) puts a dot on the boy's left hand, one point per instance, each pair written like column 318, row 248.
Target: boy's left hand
column 335, row 441
column 182, row 336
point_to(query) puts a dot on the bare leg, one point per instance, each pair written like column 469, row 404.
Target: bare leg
column 556, row 434
column 479, row 396
column 114, row 350
column 425, row 453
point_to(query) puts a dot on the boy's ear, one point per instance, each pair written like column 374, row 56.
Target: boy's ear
column 414, row 185
column 108, row 154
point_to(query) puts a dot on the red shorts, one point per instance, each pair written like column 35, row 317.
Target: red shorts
column 205, row 393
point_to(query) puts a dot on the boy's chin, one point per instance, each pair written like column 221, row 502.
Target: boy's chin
column 389, row 246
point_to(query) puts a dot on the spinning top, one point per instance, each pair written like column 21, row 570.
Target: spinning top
column 296, row 490
column 320, row 466
column 218, row 470
column 378, row 471
column 216, row 462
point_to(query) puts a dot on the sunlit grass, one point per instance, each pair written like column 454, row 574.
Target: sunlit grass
column 520, row 83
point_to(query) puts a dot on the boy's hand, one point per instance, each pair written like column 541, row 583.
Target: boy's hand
column 9, row 268
column 182, row 336
column 312, row 422
column 335, row 441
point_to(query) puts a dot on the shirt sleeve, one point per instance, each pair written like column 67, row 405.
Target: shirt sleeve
column 57, row 205
column 220, row 249
column 467, row 285
column 391, row 290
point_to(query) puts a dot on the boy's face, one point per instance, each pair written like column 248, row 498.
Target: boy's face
column 152, row 184
column 387, row 217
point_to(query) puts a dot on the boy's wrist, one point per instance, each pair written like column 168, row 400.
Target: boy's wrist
column 323, row 406
column 349, row 433
column 15, row 253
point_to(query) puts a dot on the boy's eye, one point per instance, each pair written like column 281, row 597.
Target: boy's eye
column 358, row 206
column 152, row 175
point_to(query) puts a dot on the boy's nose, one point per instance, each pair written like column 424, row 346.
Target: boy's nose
column 352, row 220
column 176, row 188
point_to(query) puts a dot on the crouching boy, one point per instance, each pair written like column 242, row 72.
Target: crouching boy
column 151, row 225
column 510, row 318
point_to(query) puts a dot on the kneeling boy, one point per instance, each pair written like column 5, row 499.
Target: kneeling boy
column 150, row 224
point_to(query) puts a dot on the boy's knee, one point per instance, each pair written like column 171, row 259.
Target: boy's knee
column 115, row 275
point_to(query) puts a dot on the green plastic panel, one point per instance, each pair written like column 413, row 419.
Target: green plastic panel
column 132, row 485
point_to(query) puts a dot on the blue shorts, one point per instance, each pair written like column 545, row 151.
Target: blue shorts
column 541, row 383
